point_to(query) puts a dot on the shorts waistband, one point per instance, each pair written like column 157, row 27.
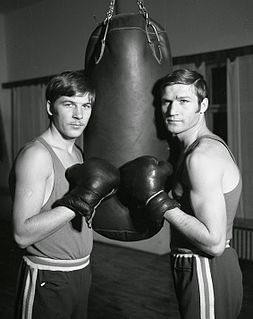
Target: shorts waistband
column 44, row 263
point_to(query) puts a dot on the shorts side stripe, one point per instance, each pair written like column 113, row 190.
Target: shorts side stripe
column 205, row 288
column 29, row 293
column 34, row 264
column 211, row 313
column 201, row 289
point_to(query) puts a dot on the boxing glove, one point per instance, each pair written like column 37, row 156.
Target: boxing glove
column 90, row 183
column 145, row 179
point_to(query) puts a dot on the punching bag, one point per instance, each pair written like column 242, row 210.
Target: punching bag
column 125, row 57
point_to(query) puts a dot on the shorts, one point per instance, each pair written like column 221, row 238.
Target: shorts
column 208, row 287
column 53, row 289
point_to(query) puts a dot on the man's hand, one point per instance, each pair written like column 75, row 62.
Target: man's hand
column 144, row 179
column 90, row 183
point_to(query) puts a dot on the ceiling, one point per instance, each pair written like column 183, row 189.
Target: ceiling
column 11, row 5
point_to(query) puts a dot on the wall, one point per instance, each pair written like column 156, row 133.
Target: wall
column 51, row 35
column 197, row 26
column 5, row 112
column 5, row 124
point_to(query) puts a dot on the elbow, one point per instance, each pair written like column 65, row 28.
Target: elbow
column 21, row 241
column 216, row 251
column 217, row 248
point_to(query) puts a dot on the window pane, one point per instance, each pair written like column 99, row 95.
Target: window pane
column 219, row 85
column 220, row 124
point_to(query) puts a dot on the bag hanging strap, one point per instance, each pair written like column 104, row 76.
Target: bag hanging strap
column 149, row 26
column 106, row 22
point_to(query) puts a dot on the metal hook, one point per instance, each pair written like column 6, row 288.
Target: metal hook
column 149, row 24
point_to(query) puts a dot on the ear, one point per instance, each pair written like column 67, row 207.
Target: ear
column 204, row 105
column 49, row 108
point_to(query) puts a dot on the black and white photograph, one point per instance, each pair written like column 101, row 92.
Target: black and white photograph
column 126, row 159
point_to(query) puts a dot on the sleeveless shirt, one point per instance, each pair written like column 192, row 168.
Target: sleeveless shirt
column 232, row 199
column 75, row 239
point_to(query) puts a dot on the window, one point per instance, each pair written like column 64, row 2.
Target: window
column 217, row 112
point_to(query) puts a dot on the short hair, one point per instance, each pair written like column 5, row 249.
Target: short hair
column 69, row 83
column 186, row 77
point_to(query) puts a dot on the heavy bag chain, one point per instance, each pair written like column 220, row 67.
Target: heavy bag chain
column 148, row 25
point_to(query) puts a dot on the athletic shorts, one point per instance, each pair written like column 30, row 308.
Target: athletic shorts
column 53, row 289
column 207, row 288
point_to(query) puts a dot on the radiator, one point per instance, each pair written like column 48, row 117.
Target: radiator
column 242, row 241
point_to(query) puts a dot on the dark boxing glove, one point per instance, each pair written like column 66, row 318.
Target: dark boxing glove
column 90, row 183
column 145, row 178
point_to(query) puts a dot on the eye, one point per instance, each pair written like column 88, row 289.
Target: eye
column 68, row 104
column 166, row 102
column 86, row 106
column 183, row 101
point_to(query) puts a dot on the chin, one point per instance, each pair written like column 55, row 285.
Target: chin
column 73, row 136
column 172, row 129
column 76, row 135
column 76, row 132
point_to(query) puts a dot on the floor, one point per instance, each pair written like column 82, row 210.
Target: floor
column 127, row 284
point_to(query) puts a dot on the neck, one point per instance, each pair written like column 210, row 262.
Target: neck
column 57, row 140
column 188, row 137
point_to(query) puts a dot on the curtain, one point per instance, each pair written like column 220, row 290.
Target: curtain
column 4, row 156
column 29, row 116
column 240, row 125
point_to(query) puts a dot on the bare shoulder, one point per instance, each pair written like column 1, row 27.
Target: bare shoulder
column 211, row 162
column 210, row 151
column 209, row 158
column 206, row 150
column 34, row 157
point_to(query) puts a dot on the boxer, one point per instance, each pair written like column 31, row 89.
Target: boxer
column 201, row 205
column 55, row 192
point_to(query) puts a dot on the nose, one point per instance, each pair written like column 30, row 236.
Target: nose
column 170, row 109
column 78, row 112
column 173, row 108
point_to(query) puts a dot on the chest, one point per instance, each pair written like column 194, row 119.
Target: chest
column 180, row 179
column 68, row 159
column 60, row 162
column 180, row 185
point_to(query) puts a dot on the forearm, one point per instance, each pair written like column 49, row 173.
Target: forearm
column 196, row 231
column 40, row 226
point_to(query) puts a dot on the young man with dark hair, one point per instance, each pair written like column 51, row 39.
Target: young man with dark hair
column 201, row 206
column 55, row 192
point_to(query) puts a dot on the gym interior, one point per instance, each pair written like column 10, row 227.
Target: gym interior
column 40, row 38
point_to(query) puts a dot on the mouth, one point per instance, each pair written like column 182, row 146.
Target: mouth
column 77, row 124
column 172, row 121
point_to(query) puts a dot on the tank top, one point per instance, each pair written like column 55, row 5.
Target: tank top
column 75, row 239
column 232, row 199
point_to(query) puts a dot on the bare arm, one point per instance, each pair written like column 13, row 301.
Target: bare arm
column 32, row 170
column 207, row 229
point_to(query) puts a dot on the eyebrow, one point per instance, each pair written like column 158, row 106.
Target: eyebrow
column 177, row 97
column 183, row 97
column 68, row 99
